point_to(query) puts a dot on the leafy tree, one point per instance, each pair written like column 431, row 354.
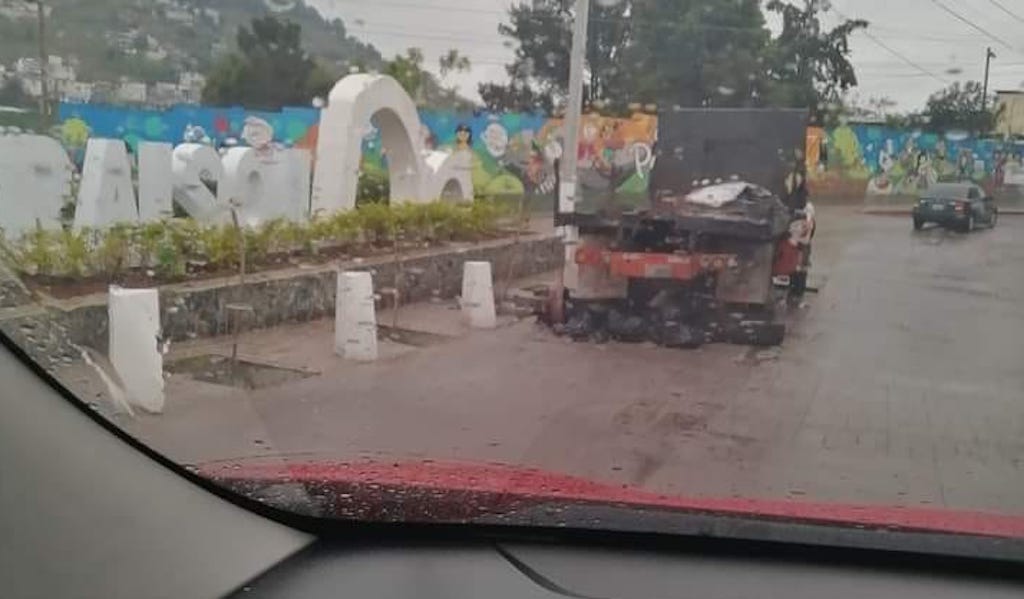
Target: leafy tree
column 808, row 64
column 539, row 74
column 11, row 94
column 270, row 69
column 677, row 53
column 408, row 71
column 422, row 85
column 959, row 107
column 698, row 52
column 453, row 62
column 515, row 96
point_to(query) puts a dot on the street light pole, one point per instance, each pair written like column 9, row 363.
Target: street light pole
column 567, row 176
column 989, row 55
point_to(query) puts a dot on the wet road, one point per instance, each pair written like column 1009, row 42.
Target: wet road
column 900, row 383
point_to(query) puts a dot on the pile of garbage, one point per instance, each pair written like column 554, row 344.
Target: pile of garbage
column 668, row 323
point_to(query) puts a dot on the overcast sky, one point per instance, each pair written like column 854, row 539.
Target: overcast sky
column 942, row 48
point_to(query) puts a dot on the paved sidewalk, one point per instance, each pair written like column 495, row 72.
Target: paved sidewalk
column 900, row 383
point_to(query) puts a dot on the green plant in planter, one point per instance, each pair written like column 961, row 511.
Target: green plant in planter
column 146, row 239
column 377, row 220
column 319, row 230
column 110, row 250
column 220, row 244
column 37, row 252
column 182, row 241
column 344, row 227
column 440, row 220
column 261, row 241
column 75, row 250
column 409, row 221
column 294, row 236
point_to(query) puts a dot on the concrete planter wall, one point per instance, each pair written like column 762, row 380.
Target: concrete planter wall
column 195, row 310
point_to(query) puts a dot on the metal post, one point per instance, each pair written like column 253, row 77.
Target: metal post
column 989, row 55
column 44, row 103
column 567, row 186
column 568, row 178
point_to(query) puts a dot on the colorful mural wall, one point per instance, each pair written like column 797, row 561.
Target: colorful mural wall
column 512, row 153
column 875, row 160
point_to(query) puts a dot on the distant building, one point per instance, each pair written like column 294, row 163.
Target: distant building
column 32, row 87
column 27, row 67
column 180, row 14
column 104, row 92
column 1011, row 115
column 191, row 84
column 213, row 14
column 60, row 76
column 18, row 10
column 163, row 93
column 125, row 42
column 58, row 70
column 76, row 91
column 131, row 92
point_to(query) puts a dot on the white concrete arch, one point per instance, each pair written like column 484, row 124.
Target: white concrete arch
column 353, row 102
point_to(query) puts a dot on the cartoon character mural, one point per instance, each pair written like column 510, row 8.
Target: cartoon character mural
column 892, row 161
column 512, row 153
column 219, row 127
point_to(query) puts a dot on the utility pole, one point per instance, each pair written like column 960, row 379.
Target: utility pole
column 568, row 179
column 44, row 97
column 989, row 55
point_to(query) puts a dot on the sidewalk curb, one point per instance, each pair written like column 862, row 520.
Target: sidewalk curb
column 907, row 211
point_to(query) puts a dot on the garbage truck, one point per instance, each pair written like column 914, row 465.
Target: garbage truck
column 718, row 252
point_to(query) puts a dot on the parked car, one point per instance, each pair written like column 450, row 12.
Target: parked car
column 958, row 206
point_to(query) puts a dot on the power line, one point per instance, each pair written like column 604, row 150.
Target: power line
column 972, row 24
column 1000, row 6
column 898, row 55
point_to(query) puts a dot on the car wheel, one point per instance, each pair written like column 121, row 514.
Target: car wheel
column 918, row 224
column 969, row 225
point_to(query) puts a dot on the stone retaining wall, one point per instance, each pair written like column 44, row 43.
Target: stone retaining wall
column 48, row 329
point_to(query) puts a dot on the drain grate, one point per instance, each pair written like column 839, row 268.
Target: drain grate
column 243, row 374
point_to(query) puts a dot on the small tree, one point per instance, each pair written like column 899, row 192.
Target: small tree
column 269, row 71
column 960, row 107
column 407, row 70
column 810, row 65
column 11, row 94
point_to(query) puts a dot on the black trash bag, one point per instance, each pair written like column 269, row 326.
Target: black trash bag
column 579, row 326
column 679, row 335
column 628, row 327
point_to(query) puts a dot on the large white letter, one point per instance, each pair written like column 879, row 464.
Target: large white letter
column 155, row 181
column 286, row 178
column 106, row 195
column 35, row 179
column 191, row 165
column 242, row 185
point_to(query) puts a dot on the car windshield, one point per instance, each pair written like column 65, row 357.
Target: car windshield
column 511, row 261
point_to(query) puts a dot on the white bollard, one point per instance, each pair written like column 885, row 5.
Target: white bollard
column 478, row 295
column 135, row 345
column 355, row 318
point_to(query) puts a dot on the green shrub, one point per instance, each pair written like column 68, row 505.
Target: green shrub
column 377, row 221
column 169, row 245
column 113, row 249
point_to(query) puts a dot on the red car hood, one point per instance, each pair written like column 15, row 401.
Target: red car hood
column 453, row 492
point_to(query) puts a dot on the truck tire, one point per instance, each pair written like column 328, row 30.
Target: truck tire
column 918, row 224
